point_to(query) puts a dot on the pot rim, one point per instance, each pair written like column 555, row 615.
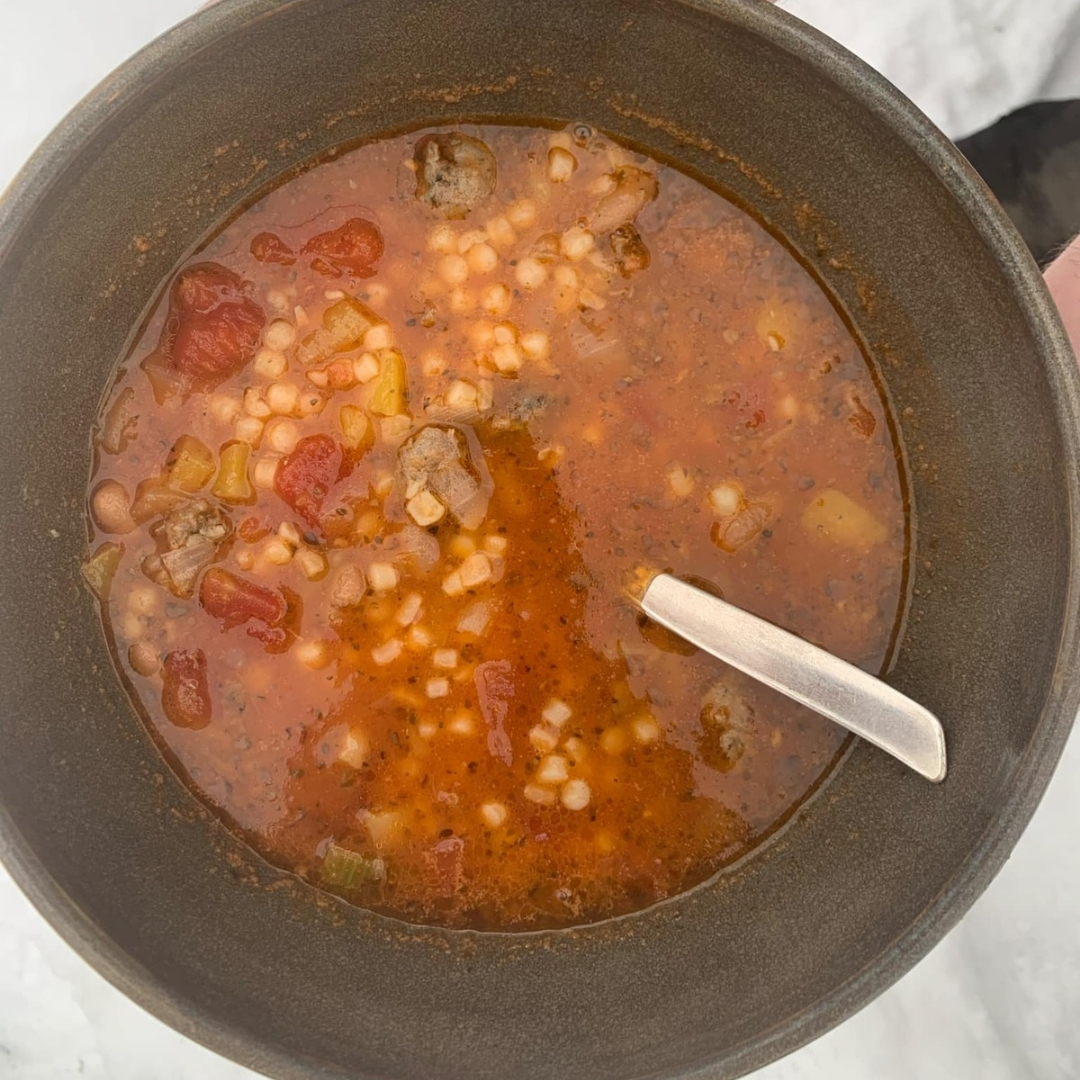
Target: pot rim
column 1034, row 770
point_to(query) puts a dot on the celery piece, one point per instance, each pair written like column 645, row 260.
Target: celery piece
column 344, row 325
column 190, row 464
column 99, row 570
column 347, row 322
column 391, row 394
column 232, row 484
column 153, row 500
column 357, row 431
column 121, row 424
column 345, row 869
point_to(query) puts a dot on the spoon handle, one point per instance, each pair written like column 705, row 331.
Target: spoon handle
column 823, row 682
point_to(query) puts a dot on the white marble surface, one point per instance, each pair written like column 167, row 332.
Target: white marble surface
column 999, row 999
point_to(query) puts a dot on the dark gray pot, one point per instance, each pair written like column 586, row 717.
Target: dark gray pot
column 139, row 877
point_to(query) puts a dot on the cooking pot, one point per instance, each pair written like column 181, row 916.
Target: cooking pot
column 143, row 880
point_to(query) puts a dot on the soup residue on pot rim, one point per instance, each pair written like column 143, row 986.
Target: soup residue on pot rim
column 372, row 484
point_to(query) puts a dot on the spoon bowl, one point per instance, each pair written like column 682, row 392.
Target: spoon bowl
column 830, row 686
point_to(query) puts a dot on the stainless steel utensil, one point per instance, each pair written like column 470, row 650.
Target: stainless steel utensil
column 857, row 701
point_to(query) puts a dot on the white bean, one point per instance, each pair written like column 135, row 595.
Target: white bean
column 453, row 269
column 541, row 795
column 388, row 652
column 482, row 259
column 575, row 794
column 382, row 577
column 111, row 507
column 438, row 688
column 279, row 335
column 521, row 215
column 493, row 813
column 529, row 273
column 552, row 770
column 725, row 499
column 561, row 164
column 283, row 398
column 557, row 712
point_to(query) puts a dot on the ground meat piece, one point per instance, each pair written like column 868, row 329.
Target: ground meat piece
column 188, row 540
column 727, row 723
column 634, row 190
column 631, row 254
column 454, row 173
column 195, row 519
column 737, row 531
column 437, row 458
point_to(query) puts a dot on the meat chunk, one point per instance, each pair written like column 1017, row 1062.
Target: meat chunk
column 195, row 520
column 631, row 254
column 727, row 723
column 454, row 173
column 188, row 539
column 437, row 459
column 730, row 534
column 634, row 189
column 348, row 588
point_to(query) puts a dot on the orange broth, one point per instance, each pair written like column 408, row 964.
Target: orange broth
column 372, row 487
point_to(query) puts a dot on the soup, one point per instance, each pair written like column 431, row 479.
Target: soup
column 375, row 485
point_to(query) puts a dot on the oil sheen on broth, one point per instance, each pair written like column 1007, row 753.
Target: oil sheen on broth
column 371, row 487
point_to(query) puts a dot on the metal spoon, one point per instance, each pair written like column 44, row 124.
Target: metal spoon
column 828, row 685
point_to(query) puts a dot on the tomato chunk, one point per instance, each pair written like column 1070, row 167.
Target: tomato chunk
column 268, row 247
column 495, row 689
column 213, row 328
column 235, row 600
column 353, row 248
column 252, row 529
column 306, row 476
column 185, row 695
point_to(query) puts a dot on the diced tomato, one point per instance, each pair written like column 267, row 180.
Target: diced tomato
column 353, row 248
column 268, row 247
column 495, row 689
column 251, row 530
column 213, row 327
column 281, row 635
column 306, row 476
column 185, row 695
column 235, row 600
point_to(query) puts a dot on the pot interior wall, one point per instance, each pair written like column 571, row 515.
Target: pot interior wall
column 275, row 974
